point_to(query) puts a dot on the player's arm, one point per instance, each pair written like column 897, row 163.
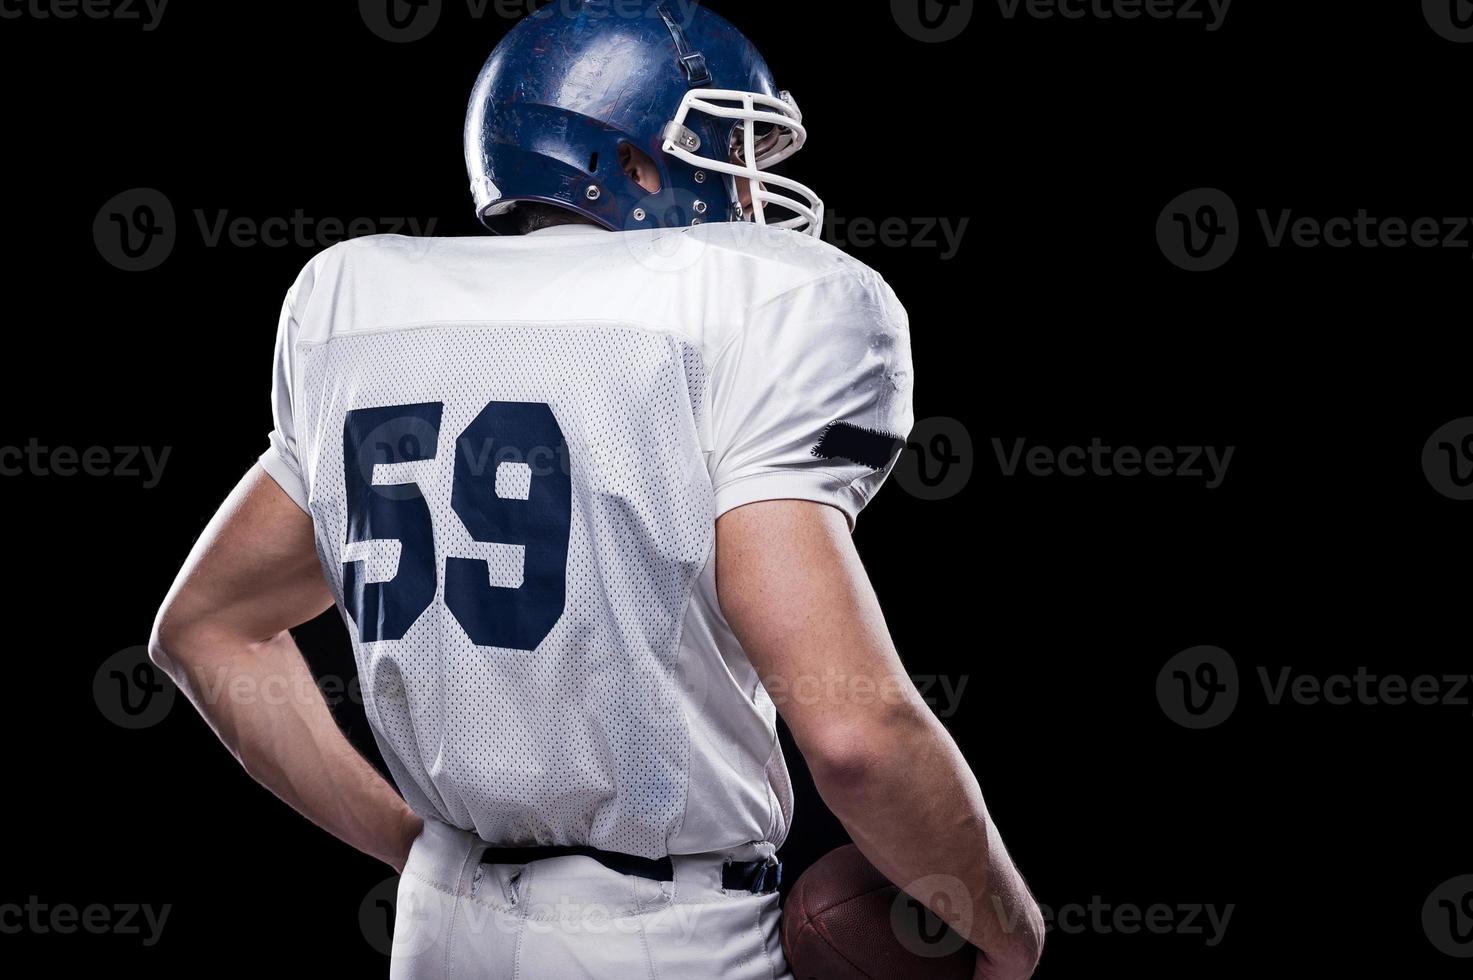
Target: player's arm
column 222, row 636
column 796, row 596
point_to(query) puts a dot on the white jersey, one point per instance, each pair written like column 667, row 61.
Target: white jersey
column 514, row 451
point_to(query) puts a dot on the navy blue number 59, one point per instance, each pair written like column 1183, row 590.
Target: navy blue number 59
column 514, row 618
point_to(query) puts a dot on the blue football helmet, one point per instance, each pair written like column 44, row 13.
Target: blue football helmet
column 574, row 81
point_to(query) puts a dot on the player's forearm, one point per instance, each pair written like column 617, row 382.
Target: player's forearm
column 263, row 703
column 909, row 800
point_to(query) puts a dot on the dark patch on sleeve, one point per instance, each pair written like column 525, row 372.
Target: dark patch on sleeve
column 841, row 440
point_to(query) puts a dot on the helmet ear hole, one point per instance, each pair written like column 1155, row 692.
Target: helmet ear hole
column 639, row 167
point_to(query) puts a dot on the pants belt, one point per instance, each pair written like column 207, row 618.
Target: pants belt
column 757, row 877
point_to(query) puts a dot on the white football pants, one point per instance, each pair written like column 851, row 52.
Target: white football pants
column 569, row 918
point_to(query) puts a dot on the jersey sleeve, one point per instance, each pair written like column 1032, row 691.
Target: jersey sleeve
column 280, row 460
column 811, row 399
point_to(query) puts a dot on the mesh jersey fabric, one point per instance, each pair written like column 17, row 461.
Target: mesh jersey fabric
column 514, row 451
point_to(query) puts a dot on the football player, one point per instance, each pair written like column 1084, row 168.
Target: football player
column 583, row 493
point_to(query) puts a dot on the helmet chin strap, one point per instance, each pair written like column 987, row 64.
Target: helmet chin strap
column 734, row 194
column 697, row 75
column 693, row 62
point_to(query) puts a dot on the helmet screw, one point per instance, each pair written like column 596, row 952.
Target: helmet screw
column 700, row 207
column 695, row 221
column 639, row 214
column 594, row 193
column 700, row 176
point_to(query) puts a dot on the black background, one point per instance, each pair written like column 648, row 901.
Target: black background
column 1060, row 320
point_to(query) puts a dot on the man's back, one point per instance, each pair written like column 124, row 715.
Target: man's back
column 514, row 451
column 584, row 499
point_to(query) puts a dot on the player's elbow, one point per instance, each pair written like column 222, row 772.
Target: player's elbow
column 166, row 642
column 1017, row 957
column 1033, row 952
column 844, row 765
column 176, row 638
column 865, row 754
column 1020, row 960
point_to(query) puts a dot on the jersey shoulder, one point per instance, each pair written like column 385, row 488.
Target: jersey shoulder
column 708, row 282
column 789, row 259
column 805, row 291
column 807, row 295
column 771, row 260
column 371, row 252
column 371, row 269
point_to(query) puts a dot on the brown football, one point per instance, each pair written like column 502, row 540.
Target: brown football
column 845, row 921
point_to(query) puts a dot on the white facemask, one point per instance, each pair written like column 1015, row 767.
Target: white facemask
column 782, row 136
